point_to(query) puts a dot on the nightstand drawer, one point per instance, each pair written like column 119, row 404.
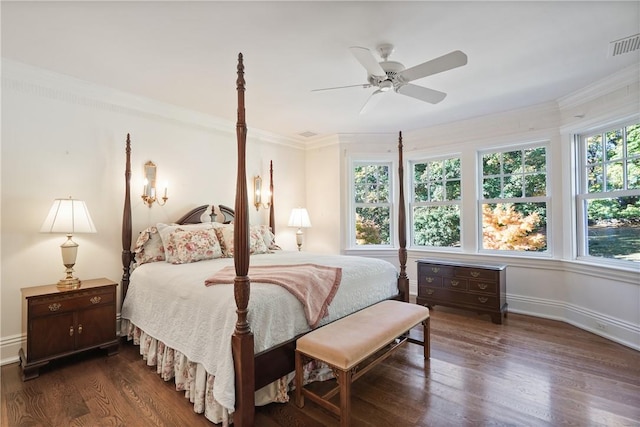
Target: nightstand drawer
column 52, row 305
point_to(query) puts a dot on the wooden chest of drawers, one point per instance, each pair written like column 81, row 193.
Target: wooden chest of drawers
column 59, row 323
column 478, row 287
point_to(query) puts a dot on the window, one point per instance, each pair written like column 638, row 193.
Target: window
column 514, row 204
column 435, row 202
column 372, row 201
column 608, row 201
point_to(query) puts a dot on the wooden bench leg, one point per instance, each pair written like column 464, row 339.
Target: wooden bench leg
column 426, row 327
column 299, row 398
column 344, row 379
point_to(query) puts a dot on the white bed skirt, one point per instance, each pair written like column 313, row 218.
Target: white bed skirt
column 197, row 383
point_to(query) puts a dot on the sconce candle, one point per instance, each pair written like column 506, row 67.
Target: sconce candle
column 149, row 190
column 257, row 194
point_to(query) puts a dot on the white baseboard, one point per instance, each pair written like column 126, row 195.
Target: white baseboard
column 616, row 330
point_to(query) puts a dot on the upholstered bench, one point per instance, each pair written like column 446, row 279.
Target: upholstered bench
column 365, row 337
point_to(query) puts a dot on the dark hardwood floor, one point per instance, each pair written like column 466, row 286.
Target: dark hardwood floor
column 525, row 372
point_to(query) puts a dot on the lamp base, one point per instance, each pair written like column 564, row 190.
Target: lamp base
column 299, row 239
column 69, row 282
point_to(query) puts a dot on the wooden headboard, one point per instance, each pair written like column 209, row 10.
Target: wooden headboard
column 194, row 216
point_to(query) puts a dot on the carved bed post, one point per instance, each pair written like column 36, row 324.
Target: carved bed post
column 126, row 222
column 403, row 280
column 272, row 219
column 242, row 340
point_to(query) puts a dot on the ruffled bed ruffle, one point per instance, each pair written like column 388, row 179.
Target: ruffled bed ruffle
column 197, row 383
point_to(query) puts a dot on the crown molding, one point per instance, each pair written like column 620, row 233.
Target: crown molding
column 625, row 77
column 40, row 82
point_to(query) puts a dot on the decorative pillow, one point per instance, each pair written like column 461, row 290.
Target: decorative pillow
column 192, row 245
column 149, row 247
column 257, row 244
column 269, row 237
column 165, row 230
column 225, row 236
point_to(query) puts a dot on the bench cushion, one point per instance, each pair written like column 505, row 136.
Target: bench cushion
column 348, row 341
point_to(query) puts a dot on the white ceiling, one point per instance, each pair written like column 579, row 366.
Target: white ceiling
column 184, row 53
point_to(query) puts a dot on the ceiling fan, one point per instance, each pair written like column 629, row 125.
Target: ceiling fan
column 387, row 75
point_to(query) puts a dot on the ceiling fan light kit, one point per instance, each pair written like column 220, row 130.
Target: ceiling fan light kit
column 385, row 75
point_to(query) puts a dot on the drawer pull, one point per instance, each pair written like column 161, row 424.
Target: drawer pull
column 482, row 286
column 70, row 331
column 475, row 273
column 55, row 306
column 429, row 279
column 95, row 300
column 483, row 299
column 435, row 269
column 454, row 283
column 429, row 291
column 79, row 328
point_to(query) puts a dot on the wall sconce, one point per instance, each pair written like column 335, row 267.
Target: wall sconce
column 149, row 195
column 257, row 194
column 299, row 218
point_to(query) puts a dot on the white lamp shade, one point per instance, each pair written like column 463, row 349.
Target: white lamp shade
column 68, row 216
column 299, row 218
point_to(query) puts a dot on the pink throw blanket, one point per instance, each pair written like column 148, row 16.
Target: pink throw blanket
column 314, row 285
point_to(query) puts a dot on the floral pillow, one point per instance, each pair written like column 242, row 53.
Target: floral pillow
column 185, row 246
column 225, row 236
column 268, row 237
column 165, row 230
column 257, row 244
column 149, row 247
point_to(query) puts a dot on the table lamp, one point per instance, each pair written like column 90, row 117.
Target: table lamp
column 68, row 216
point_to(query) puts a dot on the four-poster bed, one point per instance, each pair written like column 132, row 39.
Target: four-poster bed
column 259, row 356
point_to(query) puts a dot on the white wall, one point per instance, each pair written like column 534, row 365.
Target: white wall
column 62, row 136
column 322, row 169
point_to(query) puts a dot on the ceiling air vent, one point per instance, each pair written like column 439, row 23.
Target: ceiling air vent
column 625, row 45
column 307, row 134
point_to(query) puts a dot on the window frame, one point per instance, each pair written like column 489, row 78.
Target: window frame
column 547, row 199
column 353, row 205
column 583, row 196
column 411, row 203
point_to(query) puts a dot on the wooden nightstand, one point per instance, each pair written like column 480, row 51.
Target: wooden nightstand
column 60, row 323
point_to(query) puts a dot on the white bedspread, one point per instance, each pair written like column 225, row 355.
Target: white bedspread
column 172, row 304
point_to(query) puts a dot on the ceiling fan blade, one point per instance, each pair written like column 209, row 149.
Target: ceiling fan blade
column 443, row 63
column 365, row 85
column 371, row 102
column 368, row 61
column 422, row 93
